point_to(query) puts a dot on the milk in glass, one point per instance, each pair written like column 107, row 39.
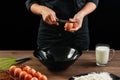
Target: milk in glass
column 102, row 55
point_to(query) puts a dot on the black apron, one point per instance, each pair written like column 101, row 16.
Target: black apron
column 51, row 35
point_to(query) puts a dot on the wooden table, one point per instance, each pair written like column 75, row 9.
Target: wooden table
column 85, row 63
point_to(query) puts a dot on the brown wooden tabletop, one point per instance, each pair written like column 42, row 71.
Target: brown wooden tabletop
column 85, row 64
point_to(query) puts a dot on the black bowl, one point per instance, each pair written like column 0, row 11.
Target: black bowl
column 57, row 58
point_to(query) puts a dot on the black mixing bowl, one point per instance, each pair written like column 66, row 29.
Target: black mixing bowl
column 57, row 58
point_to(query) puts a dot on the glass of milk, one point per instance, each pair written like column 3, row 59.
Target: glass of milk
column 102, row 52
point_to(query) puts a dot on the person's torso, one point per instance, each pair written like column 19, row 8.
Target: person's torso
column 64, row 9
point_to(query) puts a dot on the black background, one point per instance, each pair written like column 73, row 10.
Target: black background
column 18, row 29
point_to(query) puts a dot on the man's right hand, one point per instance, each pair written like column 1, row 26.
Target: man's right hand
column 49, row 16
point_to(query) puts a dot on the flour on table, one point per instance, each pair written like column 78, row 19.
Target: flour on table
column 94, row 76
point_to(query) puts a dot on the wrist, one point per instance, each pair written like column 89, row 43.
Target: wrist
column 82, row 13
column 36, row 9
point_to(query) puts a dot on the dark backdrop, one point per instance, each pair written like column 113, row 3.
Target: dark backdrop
column 18, row 29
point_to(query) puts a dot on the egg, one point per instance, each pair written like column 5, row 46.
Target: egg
column 17, row 71
column 12, row 69
column 37, row 74
column 34, row 78
column 68, row 26
column 28, row 77
column 32, row 71
column 43, row 77
column 26, row 68
column 22, row 74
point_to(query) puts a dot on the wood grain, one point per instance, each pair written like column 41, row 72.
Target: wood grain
column 85, row 63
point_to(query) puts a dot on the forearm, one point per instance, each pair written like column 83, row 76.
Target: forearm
column 48, row 15
column 87, row 9
column 78, row 18
column 36, row 9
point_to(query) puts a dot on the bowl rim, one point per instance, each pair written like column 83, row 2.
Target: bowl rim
column 37, row 54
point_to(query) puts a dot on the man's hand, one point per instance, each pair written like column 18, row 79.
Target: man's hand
column 49, row 16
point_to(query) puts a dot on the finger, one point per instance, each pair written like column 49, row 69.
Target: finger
column 55, row 23
column 70, row 30
column 48, row 20
column 72, row 20
column 73, row 29
column 53, row 17
column 75, row 24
